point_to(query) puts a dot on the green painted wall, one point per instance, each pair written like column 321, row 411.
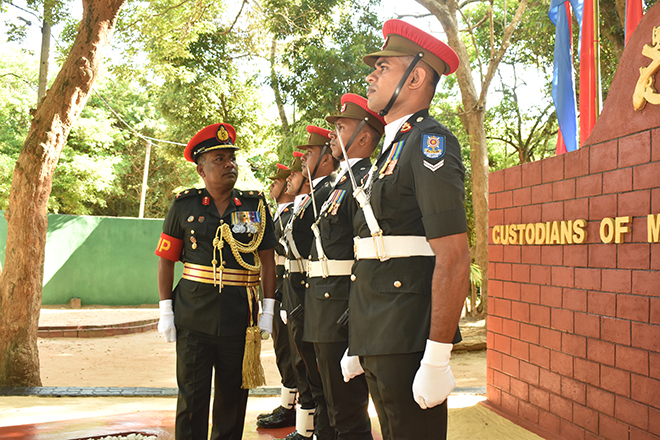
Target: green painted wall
column 101, row 260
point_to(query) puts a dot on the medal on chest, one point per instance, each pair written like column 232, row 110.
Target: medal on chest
column 245, row 222
column 392, row 159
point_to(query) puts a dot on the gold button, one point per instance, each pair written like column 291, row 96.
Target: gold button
column 194, row 245
column 420, row 119
column 199, row 191
column 397, row 284
column 192, row 231
column 307, row 285
column 353, row 277
column 327, row 295
column 302, row 282
column 222, row 221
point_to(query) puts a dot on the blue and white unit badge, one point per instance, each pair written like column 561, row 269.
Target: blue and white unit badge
column 433, row 148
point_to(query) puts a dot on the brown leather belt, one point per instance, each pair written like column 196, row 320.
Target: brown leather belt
column 228, row 277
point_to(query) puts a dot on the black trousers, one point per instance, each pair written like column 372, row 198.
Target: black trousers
column 390, row 379
column 348, row 402
column 197, row 355
column 284, row 352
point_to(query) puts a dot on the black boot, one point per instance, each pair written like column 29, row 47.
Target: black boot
column 280, row 418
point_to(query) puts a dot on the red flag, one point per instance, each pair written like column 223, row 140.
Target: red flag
column 588, row 71
column 561, row 146
column 634, row 12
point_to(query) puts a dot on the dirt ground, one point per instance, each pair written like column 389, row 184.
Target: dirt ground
column 146, row 360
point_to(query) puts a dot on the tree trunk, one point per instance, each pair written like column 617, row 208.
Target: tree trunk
column 275, row 85
column 22, row 277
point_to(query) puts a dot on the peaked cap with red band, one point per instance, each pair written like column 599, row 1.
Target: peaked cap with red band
column 318, row 137
column 355, row 107
column 403, row 39
column 213, row 137
column 296, row 165
column 282, row 172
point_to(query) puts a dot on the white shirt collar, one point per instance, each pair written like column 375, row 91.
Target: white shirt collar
column 297, row 201
column 392, row 129
column 280, row 208
column 344, row 165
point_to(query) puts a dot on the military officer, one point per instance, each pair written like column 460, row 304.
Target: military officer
column 225, row 239
column 412, row 259
column 359, row 130
column 318, row 166
column 285, row 414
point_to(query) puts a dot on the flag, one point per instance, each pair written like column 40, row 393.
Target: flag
column 634, row 12
column 563, row 82
column 589, row 70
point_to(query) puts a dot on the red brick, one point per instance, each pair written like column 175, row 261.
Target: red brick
column 501, row 381
column 550, row 339
column 561, row 407
column 576, row 209
column 654, row 361
column 512, row 216
column 574, row 390
column 510, row 365
column 603, row 206
column 509, row 403
column 495, row 217
column 528, row 412
column 511, row 254
column 512, row 177
column 562, row 319
column 576, row 255
column 655, row 145
column 612, row 429
column 639, row 234
column 529, row 373
column 617, row 181
column 655, row 311
column 563, row 190
column 655, row 199
column 603, row 157
column 502, row 343
column 586, row 371
column 600, row 303
column 529, row 333
column 492, row 200
column 615, row 330
column 602, row 255
column 523, row 196
column 573, row 299
column 494, row 359
column 496, row 181
column 552, row 255
column 578, row 164
column 520, row 349
column 634, row 255
column 655, row 256
column 586, row 418
column 635, row 149
column 532, row 213
column 542, row 193
column 574, row 345
column 633, row 307
column 589, row 186
column 593, row 232
column 638, row 434
column 550, row 381
column 646, row 336
column 632, row 359
column 614, row 380
column 654, row 421
column 631, row 412
column 494, row 324
column 540, row 274
column 553, row 168
column 511, row 291
column 561, row 363
column 645, row 390
column 511, row 328
column 587, row 325
column 520, row 311
column 539, row 315
column 600, row 351
column 531, row 254
column 563, row 276
column 530, row 293
column 495, row 288
column 549, row 422
column 519, row 389
column 587, row 278
column 601, row 401
column 539, row 356
column 503, row 271
column 619, row 281
column 552, row 212
column 550, row 296
column 539, row 397
column 636, row 203
column 494, row 395
column 646, row 176
column 570, row 430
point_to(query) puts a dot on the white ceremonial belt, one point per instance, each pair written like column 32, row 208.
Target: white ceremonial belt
column 393, row 246
column 280, row 260
column 296, row 266
column 336, row 268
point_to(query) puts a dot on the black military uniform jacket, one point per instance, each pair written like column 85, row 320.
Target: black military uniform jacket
column 280, row 222
column 294, row 293
column 326, row 299
column 194, row 219
column 420, row 193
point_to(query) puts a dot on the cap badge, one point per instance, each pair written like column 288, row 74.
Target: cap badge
column 343, row 108
column 386, row 41
column 406, row 127
column 222, row 134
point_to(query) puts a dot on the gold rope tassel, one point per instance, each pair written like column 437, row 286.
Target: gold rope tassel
column 253, row 372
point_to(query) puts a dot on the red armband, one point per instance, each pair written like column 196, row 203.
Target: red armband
column 169, row 247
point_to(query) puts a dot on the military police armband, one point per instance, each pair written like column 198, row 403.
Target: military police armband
column 169, row 247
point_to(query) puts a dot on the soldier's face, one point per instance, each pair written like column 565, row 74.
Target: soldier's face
column 218, row 168
column 293, row 182
column 276, row 188
column 383, row 81
column 309, row 160
column 344, row 127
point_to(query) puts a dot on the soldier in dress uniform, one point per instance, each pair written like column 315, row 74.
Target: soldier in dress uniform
column 412, row 260
column 359, row 130
column 318, row 166
column 285, row 414
column 225, row 238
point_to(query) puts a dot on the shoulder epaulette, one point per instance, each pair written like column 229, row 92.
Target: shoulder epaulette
column 187, row 193
column 251, row 193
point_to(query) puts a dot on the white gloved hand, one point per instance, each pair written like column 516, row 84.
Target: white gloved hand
column 266, row 318
column 166, row 322
column 434, row 380
column 350, row 366
column 283, row 316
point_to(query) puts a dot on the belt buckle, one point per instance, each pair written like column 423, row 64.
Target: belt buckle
column 380, row 250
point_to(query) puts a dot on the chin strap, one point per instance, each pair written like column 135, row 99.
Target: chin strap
column 395, row 95
column 352, row 139
column 318, row 162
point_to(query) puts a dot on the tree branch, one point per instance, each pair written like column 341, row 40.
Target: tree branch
column 236, row 19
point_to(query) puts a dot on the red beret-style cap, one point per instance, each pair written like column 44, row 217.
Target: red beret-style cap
column 403, row 39
column 355, row 107
column 318, row 137
column 282, row 172
column 296, row 165
column 213, row 137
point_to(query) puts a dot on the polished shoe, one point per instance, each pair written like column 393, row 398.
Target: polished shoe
column 280, row 418
column 276, row 412
column 295, row 435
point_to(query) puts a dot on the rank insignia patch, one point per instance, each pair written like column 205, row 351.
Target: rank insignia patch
column 206, row 201
column 433, row 146
column 343, row 179
column 237, row 201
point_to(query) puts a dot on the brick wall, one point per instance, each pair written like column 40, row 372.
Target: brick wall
column 574, row 330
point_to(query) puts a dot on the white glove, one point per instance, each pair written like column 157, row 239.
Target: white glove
column 166, row 321
column 283, row 315
column 350, row 366
column 266, row 318
column 434, row 380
